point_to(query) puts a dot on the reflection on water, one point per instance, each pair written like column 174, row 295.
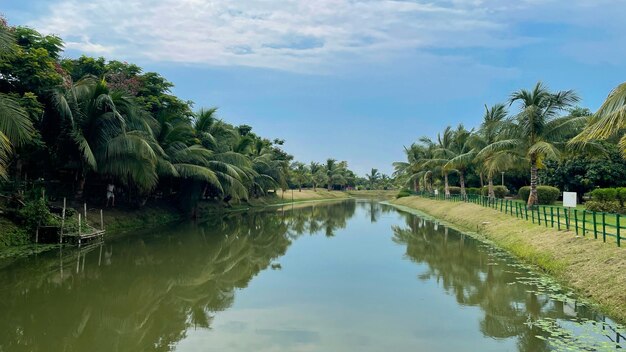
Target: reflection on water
column 515, row 302
column 154, row 291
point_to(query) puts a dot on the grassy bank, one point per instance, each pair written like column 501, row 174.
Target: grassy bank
column 594, row 269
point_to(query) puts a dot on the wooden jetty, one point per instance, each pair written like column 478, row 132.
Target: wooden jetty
column 84, row 232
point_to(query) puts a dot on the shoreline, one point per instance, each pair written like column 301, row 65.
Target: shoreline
column 595, row 270
column 121, row 221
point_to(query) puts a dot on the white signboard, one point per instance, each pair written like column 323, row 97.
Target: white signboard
column 569, row 199
column 436, row 192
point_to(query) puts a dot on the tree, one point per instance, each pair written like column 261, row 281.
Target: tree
column 15, row 125
column 490, row 162
column 300, row 174
column 460, row 155
column 608, row 121
column 537, row 132
column 373, row 178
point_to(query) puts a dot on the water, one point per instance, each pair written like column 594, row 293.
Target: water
column 345, row 276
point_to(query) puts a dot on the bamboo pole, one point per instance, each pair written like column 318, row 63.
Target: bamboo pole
column 79, row 229
column 62, row 221
column 101, row 220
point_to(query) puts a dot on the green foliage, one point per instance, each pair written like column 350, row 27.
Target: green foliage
column 608, row 200
column 473, row 190
column 604, row 194
column 547, row 195
column 612, row 206
column 454, row 190
column 35, row 213
column 582, row 172
column 499, row 191
column 405, row 192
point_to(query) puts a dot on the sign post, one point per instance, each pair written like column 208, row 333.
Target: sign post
column 569, row 202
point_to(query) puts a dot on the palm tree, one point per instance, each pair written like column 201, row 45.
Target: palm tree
column 609, row 120
column 300, row 174
column 15, row 126
column 334, row 173
column 112, row 135
column 441, row 154
column 314, row 170
column 15, row 130
column 461, row 155
column 488, row 133
column 373, row 177
column 537, row 133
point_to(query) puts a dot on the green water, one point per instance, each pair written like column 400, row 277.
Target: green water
column 345, row 276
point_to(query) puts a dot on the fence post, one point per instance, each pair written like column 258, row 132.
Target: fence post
column 617, row 226
column 595, row 226
column 566, row 212
column 576, row 220
column 526, row 211
column 603, row 227
column 545, row 216
column 532, row 213
column 584, row 222
column 552, row 216
column 558, row 219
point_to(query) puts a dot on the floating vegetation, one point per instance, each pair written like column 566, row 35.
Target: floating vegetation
column 584, row 335
column 545, row 285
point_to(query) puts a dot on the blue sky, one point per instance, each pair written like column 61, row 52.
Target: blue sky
column 354, row 80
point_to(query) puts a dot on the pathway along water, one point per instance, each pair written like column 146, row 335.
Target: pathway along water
column 345, row 276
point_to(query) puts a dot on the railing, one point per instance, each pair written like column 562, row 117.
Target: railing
column 585, row 222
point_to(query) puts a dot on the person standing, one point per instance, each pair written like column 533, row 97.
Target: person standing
column 110, row 195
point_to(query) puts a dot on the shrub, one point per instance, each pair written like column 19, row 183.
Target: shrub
column 473, row 190
column 454, row 190
column 609, row 207
column 604, row 194
column 499, row 191
column 546, row 194
column 35, row 213
column 404, row 193
column 621, row 196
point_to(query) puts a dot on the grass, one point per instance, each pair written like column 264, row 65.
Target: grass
column 596, row 270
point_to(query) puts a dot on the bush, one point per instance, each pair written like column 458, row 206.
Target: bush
column 499, row 191
column 404, row 193
column 473, row 190
column 546, row 194
column 35, row 213
column 609, row 207
column 621, row 196
column 454, row 190
column 604, row 194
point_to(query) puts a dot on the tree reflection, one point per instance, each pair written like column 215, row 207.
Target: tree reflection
column 477, row 276
column 146, row 292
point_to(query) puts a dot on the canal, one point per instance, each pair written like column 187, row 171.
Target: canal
column 332, row 276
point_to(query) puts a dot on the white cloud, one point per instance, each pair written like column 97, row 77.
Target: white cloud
column 298, row 35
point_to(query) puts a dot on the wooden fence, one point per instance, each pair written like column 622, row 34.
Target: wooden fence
column 583, row 222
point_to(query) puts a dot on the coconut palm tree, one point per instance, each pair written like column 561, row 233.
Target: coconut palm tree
column 373, row 177
column 15, row 130
column 441, row 154
column 488, row 133
column 112, row 135
column 300, row 174
column 609, row 120
column 537, row 132
column 461, row 155
column 15, row 126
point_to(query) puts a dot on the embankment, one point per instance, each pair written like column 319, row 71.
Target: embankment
column 596, row 270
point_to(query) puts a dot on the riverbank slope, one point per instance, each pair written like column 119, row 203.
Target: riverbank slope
column 123, row 219
column 595, row 269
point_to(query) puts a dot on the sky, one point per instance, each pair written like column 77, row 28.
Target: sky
column 354, row 80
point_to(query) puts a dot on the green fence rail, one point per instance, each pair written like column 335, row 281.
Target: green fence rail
column 583, row 222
